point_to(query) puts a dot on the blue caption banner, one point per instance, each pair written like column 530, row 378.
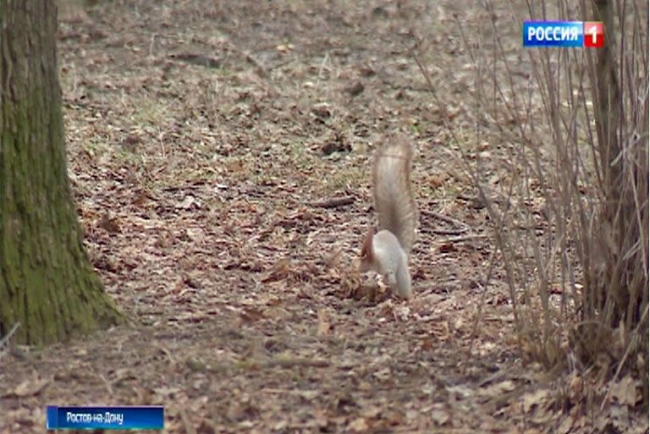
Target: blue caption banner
column 553, row 34
column 131, row 417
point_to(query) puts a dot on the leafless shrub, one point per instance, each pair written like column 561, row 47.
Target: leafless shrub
column 570, row 208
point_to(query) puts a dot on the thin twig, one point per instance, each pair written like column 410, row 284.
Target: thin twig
column 633, row 345
column 109, row 387
column 187, row 424
column 465, row 238
column 8, row 336
column 334, row 202
column 462, row 226
column 291, row 363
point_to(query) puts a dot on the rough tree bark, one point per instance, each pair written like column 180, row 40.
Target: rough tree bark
column 618, row 295
column 623, row 293
column 46, row 281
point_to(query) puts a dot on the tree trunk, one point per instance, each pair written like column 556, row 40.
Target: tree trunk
column 624, row 219
column 617, row 295
column 46, row 281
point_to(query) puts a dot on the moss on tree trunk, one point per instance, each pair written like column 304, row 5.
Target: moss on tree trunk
column 46, row 280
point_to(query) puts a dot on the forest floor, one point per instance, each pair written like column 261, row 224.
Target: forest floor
column 219, row 157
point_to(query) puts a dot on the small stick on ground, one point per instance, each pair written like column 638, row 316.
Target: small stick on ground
column 291, row 363
column 445, row 232
column 8, row 336
column 465, row 238
column 446, row 219
column 187, row 424
column 334, row 202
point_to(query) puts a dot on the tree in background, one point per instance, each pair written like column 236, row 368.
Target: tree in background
column 622, row 134
column 47, row 284
column 617, row 281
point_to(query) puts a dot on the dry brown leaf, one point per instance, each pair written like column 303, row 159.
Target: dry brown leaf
column 497, row 389
column 576, row 386
column 109, row 224
column 241, row 410
column 437, row 180
column 321, row 419
column 440, row 416
column 372, row 412
column 189, row 202
column 625, row 391
column 323, row 323
column 359, row 425
column 250, row 314
column 536, row 398
column 322, row 110
column 29, row 388
column 383, row 374
column 279, row 271
column 277, row 313
column 427, row 343
column 284, row 48
column 566, row 425
column 195, row 234
column 333, row 258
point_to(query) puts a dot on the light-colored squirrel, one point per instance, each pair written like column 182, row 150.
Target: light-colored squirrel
column 386, row 248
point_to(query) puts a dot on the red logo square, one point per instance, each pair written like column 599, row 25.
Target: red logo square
column 594, row 34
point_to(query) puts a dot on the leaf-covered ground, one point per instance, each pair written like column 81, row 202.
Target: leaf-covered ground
column 219, row 156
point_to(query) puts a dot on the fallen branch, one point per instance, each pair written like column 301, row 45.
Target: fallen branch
column 465, row 238
column 187, row 424
column 284, row 363
column 334, row 202
column 462, row 227
column 290, row 363
column 8, row 336
column 444, row 232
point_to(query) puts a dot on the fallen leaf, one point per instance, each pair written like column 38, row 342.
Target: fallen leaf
column 109, row 224
column 279, row 271
column 371, row 412
column 440, row 416
column 195, row 234
column 565, row 426
column 250, row 314
column 383, row 374
column 277, row 313
column 625, row 391
column 437, row 181
column 537, row 398
column 322, row 110
column 358, row 425
column 323, row 323
column 189, row 202
column 29, row 388
column 284, row 48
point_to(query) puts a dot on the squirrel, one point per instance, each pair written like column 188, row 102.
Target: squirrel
column 386, row 248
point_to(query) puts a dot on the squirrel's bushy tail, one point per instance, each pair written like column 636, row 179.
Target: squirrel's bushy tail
column 394, row 202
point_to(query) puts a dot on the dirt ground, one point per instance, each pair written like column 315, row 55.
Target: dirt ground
column 219, row 156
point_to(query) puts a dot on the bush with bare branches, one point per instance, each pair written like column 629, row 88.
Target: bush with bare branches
column 570, row 217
